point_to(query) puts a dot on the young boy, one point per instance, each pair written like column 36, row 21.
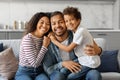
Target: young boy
column 81, row 38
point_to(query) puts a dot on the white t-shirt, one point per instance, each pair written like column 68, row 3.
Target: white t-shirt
column 82, row 37
column 64, row 55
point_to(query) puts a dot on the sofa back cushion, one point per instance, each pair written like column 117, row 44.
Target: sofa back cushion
column 109, row 61
column 101, row 42
column 14, row 44
column 1, row 47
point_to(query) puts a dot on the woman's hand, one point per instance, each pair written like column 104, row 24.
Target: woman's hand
column 46, row 41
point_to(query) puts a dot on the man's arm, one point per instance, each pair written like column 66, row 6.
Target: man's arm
column 98, row 50
column 50, row 63
column 74, row 67
column 93, row 50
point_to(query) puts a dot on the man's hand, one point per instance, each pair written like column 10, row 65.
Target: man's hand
column 92, row 50
column 89, row 50
column 72, row 66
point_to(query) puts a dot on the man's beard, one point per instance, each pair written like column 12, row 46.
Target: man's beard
column 59, row 35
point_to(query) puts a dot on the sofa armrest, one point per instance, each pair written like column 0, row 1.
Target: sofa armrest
column 101, row 42
column 119, row 59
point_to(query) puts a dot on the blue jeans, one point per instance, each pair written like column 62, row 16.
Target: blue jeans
column 79, row 75
column 91, row 75
column 57, row 75
column 30, row 73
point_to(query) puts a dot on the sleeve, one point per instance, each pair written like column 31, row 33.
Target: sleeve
column 50, row 63
column 78, row 36
column 31, row 53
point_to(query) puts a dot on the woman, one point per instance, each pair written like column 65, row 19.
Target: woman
column 33, row 48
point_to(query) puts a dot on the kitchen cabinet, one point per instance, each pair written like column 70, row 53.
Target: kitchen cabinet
column 11, row 34
column 15, row 35
column 112, row 38
column 3, row 35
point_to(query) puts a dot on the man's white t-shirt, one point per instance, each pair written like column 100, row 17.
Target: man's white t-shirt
column 82, row 37
column 64, row 55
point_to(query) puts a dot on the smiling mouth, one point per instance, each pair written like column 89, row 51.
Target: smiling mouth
column 58, row 30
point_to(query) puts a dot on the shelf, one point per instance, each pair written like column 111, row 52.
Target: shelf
column 66, row 0
column 11, row 30
column 104, row 30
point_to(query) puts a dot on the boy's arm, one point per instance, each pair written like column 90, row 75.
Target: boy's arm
column 67, row 48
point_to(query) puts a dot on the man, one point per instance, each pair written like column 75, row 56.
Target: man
column 55, row 59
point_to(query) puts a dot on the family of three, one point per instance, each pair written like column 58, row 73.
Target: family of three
column 56, row 47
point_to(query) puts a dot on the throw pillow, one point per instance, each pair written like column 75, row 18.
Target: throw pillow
column 109, row 61
column 1, row 47
column 8, row 63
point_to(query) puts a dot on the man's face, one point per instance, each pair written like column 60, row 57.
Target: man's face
column 58, row 25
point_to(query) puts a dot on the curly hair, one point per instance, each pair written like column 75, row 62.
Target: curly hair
column 32, row 24
column 72, row 11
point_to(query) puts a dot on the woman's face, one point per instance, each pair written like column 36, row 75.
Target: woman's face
column 43, row 26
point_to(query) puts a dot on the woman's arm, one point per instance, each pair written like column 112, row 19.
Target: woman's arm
column 33, row 55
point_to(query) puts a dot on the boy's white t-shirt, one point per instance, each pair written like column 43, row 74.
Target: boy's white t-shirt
column 82, row 37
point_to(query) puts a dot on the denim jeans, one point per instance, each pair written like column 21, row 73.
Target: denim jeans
column 93, row 75
column 30, row 73
column 57, row 75
column 90, row 75
column 79, row 75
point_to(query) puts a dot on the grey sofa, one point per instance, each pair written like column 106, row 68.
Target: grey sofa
column 15, row 44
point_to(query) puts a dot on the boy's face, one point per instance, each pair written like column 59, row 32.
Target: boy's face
column 58, row 25
column 71, row 22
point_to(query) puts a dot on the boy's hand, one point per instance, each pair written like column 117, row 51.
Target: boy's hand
column 52, row 36
column 51, row 33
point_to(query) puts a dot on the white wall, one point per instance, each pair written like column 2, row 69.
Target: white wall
column 95, row 14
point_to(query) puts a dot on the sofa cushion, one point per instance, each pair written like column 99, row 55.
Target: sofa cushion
column 1, row 47
column 119, row 59
column 8, row 63
column 109, row 61
column 110, row 76
column 101, row 42
column 14, row 44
